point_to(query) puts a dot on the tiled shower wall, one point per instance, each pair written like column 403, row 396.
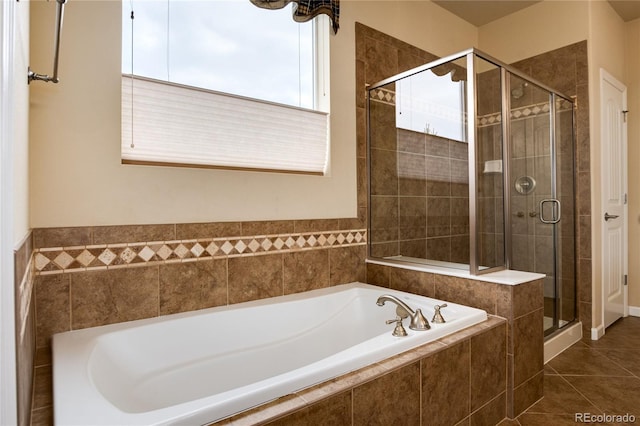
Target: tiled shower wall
column 565, row 70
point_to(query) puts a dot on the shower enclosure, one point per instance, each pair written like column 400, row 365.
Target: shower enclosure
column 471, row 166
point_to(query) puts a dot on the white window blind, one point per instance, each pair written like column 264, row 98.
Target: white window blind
column 171, row 124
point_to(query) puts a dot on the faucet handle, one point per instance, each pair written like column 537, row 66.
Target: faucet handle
column 437, row 316
column 399, row 331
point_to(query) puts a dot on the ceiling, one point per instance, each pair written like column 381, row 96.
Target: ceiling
column 480, row 12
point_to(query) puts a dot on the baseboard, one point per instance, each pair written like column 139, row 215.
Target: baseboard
column 634, row 311
column 597, row 332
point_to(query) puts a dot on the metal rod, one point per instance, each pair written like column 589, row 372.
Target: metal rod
column 56, row 50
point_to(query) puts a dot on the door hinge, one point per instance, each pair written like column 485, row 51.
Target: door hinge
column 624, row 114
column 625, row 198
column 625, row 279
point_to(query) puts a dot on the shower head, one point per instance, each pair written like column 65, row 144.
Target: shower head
column 518, row 92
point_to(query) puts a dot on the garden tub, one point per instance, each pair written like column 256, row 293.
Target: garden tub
column 202, row 366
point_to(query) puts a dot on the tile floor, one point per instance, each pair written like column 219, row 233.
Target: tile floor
column 596, row 377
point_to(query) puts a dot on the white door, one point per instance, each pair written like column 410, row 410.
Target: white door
column 614, row 197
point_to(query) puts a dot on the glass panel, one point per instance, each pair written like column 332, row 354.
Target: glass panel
column 531, row 183
column 565, row 230
column 490, row 193
column 419, row 205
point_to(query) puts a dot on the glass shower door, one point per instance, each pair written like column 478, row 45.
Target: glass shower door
column 541, row 176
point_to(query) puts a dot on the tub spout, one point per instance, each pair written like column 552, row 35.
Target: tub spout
column 418, row 321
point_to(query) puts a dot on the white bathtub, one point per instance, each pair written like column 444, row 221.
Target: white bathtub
column 198, row 367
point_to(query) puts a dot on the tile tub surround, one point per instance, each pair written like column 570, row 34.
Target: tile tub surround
column 25, row 329
column 88, row 280
column 290, row 256
column 440, row 383
column 521, row 305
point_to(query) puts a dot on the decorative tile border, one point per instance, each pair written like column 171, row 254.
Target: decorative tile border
column 56, row 260
column 388, row 97
column 384, row 96
column 526, row 111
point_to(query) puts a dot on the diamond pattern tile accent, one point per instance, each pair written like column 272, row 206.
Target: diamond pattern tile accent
column 181, row 251
column 41, row 261
column 197, row 250
column 146, row 253
column 85, row 258
column 107, row 257
column 127, row 255
column 63, row 260
column 164, row 252
column 56, row 260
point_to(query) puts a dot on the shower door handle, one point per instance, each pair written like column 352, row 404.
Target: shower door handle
column 608, row 216
column 553, row 220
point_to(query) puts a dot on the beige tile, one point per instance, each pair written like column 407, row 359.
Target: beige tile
column 53, row 315
column 378, row 274
column 61, row 237
column 43, row 387
column 306, row 270
column 416, row 282
column 613, row 395
column 478, row 294
column 106, row 297
column 584, row 361
column 491, row 413
column 359, row 222
column 133, row 233
column 528, row 341
column 528, row 393
column 347, row 264
column 335, row 410
column 43, row 356
column 384, row 173
column 190, row 231
column 192, row 285
column 267, row 227
column 546, row 420
column 527, row 297
column 264, row 413
column 488, row 366
column 381, row 60
column 255, row 277
column 446, row 385
column 316, row 225
column 392, row 399
column 561, row 398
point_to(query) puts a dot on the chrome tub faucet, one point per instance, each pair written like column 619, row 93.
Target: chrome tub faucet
column 418, row 321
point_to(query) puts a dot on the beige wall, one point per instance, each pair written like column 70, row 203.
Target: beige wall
column 537, row 29
column 77, row 178
column 606, row 50
column 632, row 57
column 21, row 126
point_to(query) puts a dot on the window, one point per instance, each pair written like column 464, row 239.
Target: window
column 432, row 104
column 224, row 84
